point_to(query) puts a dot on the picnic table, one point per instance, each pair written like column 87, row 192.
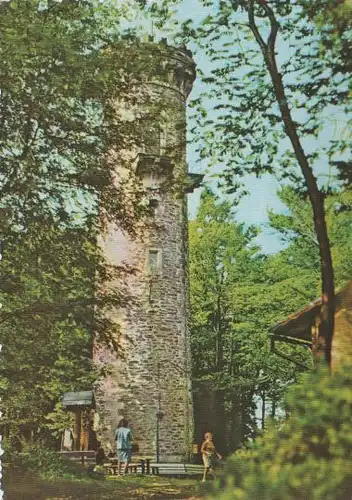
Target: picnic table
column 140, row 467
column 146, row 466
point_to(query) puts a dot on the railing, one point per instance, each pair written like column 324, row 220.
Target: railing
column 84, row 456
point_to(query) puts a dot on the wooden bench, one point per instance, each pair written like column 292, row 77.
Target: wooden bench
column 194, row 469
column 176, row 469
column 168, row 469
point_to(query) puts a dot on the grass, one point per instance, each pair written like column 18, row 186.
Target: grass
column 19, row 485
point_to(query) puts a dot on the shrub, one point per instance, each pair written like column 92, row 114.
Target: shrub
column 309, row 456
column 46, row 462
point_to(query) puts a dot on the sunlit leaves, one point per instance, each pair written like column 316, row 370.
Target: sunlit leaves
column 236, row 295
column 308, row 455
column 234, row 73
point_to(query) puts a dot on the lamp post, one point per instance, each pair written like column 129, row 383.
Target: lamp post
column 159, row 415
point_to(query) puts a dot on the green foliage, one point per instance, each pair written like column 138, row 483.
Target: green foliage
column 47, row 321
column 295, row 227
column 237, row 116
column 62, row 67
column 237, row 120
column 236, row 295
column 56, row 131
column 39, row 459
column 269, row 96
column 220, row 253
column 334, row 21
column 308, row 456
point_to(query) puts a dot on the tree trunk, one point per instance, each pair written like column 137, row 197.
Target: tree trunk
column 78, row 430
column 219, row 347
column 220, row 422
column 263, row 410
column 317, row 201
column 273, row 408
column 326, row 329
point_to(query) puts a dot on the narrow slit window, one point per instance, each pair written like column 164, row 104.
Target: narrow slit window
column 152, row 140
column 154, row 261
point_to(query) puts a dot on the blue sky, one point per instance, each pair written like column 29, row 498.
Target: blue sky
column 262, row 192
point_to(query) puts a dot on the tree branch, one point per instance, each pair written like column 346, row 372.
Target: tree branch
column 326, row 329
column 42, row 308
column 254, row 28
column 274, row 25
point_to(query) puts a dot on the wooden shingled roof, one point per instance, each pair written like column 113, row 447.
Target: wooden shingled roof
column 298, row 325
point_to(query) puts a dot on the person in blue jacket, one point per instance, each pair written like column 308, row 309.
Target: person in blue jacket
column 123, row 438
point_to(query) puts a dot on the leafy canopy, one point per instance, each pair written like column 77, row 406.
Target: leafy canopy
column 308, row 456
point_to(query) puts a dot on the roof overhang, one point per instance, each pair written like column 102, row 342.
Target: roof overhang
column 298, row 326
column 291, row 340
column 72, row 400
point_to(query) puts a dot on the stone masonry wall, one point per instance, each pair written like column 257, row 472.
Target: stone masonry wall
column 151, row 373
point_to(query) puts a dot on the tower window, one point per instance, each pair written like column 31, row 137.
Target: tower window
column 153, row 205
column 152, row 140
column 155, row 139
column 154, row 261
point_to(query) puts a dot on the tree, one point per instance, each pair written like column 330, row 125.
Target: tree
column 267, row 101
column 46, row 328
column 235, row 298
column 61, row 136
column 307, row 456
column 63, row 67
column 69, row 70
column 334, row 20
column 56, row 132
column 216, row 242
column 296, row 229
column 237, row 294
column 218, row 253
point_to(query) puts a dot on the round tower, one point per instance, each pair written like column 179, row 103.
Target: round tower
column 150, row 377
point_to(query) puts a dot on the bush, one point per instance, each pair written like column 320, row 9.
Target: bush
column 308, row 457
column 46, row 462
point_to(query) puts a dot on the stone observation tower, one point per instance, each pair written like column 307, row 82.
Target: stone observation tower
column 149, row 382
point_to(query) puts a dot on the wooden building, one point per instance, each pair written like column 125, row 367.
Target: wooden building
column 302, row 327
column 82, row 405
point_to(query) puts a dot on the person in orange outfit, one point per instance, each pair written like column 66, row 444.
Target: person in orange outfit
column 209, row 453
